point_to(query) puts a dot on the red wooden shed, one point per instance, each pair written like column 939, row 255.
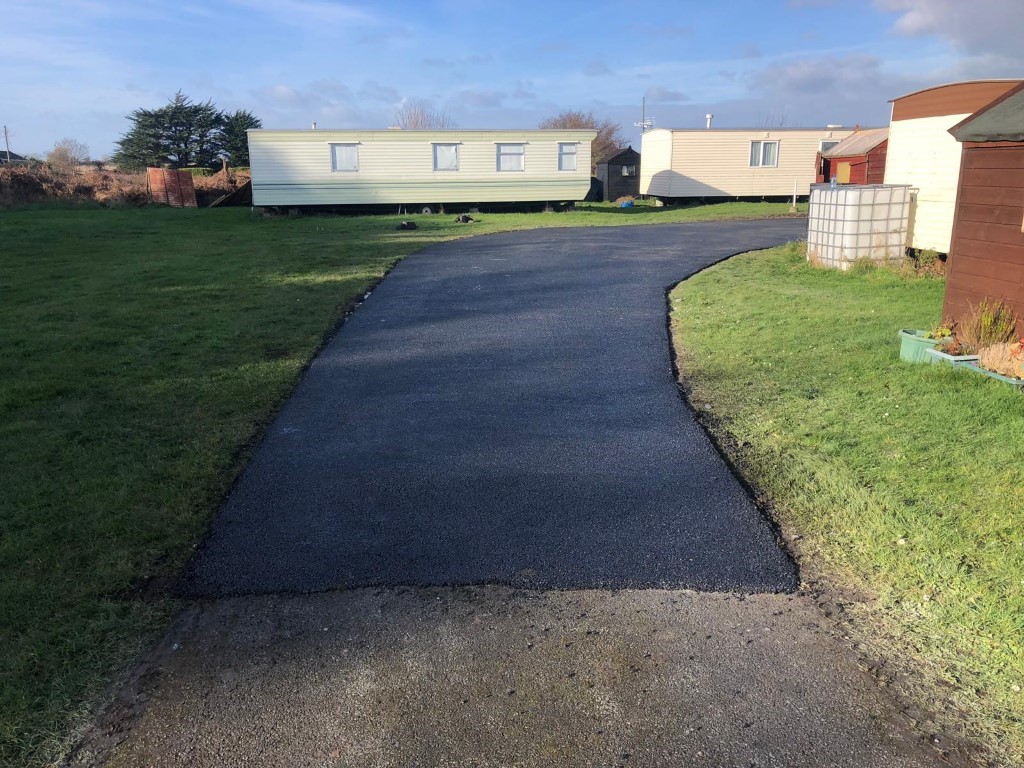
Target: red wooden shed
column 986, row 258
column 857, row 159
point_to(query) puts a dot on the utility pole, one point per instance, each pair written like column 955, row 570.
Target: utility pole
column 7, row 143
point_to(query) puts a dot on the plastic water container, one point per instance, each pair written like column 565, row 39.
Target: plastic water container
column 850, row 222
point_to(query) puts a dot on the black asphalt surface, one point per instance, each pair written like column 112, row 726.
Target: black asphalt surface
column 502, row 410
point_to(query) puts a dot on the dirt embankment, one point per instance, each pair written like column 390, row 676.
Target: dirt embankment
column 25, row 185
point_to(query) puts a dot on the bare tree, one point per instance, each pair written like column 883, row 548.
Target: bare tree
column 67, row 154
column 418, row 114
column 609, row 139
column 775, row 119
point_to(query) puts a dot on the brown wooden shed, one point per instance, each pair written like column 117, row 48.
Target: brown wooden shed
column 986, row 259
column 857, row 159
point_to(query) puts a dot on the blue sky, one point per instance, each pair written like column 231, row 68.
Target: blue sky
column 75, row 68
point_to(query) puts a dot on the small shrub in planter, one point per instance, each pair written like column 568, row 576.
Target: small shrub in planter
column 988, row 323
column 1004, row 358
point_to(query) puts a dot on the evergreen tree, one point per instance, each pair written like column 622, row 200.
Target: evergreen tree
column 181, row 134
column 235, row 140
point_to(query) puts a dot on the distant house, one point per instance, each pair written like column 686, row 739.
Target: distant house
column 619, row 174
column 986, row 257
column 744, row 162
column 12, row 158
column 922, row 153
column 857, row 159
column 418, row 169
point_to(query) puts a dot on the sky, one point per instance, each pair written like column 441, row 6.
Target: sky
column 77, row 68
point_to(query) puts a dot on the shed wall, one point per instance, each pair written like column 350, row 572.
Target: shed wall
column 875, row 172
column 616, row 185
column 987, row 255
column 924, row 155
column 864, row 169
column 395, row 167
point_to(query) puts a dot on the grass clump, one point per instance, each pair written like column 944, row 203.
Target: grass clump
column 904, row 481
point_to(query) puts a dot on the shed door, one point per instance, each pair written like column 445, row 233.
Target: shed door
column 843, row 172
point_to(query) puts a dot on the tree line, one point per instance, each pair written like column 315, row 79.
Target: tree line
column 185, row 134
column 418, row 114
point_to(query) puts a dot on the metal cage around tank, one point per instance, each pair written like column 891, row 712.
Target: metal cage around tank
column 847, row 223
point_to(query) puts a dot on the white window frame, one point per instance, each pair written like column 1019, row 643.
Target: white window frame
column 823, row 142
column 334, row 157
column 568, row 149
column 760, row 159
column 458, row 155
column 501, row 152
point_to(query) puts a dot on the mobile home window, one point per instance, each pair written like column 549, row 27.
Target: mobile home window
column 446, row 157
column 511, row 157
column 567, row 157
column 629, row 170
column 764, row 154
column 828, row 144
column 344, row 157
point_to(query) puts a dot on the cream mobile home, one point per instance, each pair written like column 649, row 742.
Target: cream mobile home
column 742, row 162
column 924, row 155
column 418, row 169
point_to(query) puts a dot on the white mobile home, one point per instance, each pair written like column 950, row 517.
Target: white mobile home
column 741, row 162
column 923, row 154
column 418, row 168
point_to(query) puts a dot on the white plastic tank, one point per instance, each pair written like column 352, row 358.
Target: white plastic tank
column 850, row 222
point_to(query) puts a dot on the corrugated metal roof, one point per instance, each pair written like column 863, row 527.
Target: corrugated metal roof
column 859, row 143
column 1002, row 120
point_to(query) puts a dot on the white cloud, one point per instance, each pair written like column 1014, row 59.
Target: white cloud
column 850, row 88
column 978, row 26
column 318, row 14
column 480, row 99
column 657, row 93
column 748, row 51
column 374, row 91
column 596, row 68
column 986, row 33
column 475, row 59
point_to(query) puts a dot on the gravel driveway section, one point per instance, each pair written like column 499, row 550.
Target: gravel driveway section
column 502, row 410
column 491, row 676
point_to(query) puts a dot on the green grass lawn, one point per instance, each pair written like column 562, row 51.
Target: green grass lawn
column 905, row 482
column 141, row 353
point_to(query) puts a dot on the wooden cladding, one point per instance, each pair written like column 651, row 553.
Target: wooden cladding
column 987, row 255
column 954, row 99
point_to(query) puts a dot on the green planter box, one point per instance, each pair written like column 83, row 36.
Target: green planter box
column 1018, row 383
column 938, row 356
column 914, row 346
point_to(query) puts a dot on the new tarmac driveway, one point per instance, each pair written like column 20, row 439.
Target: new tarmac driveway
column 502, row 410
column 501, row 416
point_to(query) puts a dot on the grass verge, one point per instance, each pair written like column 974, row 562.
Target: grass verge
column 141, row 353
column 905, row 483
